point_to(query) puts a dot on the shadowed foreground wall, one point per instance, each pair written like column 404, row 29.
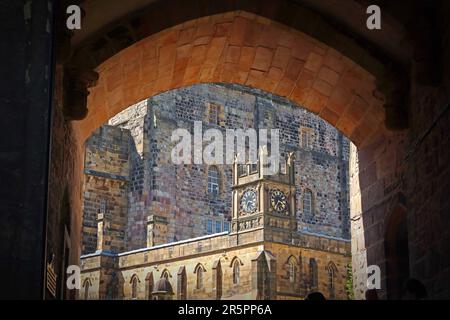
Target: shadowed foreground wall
column 415, row 162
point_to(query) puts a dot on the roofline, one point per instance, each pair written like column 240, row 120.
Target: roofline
column 165, row 245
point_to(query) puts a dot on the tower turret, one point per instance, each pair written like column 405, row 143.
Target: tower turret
column 264, row 201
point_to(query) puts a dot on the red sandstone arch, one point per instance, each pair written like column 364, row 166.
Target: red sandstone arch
column 250, row 50
column 242, row 48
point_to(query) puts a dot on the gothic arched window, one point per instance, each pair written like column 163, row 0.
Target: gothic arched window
column 291, row 270
column 213, row 180
column 149, row 286
column 87, row 284
column 213, row 113
column 103, row 206
column 199, row 270
column 313, row 273
column 331, row 278
column 134, row 287
column 199, row 277
column 236, row 272
column 308, row 208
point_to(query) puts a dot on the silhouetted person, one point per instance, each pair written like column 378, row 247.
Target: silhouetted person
column 414, row 290
column 371, row 294
column 315, row 296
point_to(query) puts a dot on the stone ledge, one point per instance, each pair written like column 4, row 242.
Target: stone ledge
column 105, row 175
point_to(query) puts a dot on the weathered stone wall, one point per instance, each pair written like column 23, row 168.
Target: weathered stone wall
column 107, row 151
column 179, row 193
column 136, row 120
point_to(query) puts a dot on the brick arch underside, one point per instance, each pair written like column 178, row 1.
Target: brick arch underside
column 242, row 48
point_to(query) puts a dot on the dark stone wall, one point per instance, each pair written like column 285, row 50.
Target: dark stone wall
column 427, row 174
column 405, row 177
column 25, row 91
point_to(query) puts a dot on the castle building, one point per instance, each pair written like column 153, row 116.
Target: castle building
column 156, row 230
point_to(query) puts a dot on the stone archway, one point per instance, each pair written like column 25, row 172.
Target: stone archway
column 242, row 48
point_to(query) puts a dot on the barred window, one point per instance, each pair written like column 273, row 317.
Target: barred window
column 213, row 181
column 331, row 278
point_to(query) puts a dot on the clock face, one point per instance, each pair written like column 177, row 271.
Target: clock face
column 248, row 201
column 278, row 200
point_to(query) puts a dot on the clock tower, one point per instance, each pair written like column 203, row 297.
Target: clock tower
column 264, row 202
